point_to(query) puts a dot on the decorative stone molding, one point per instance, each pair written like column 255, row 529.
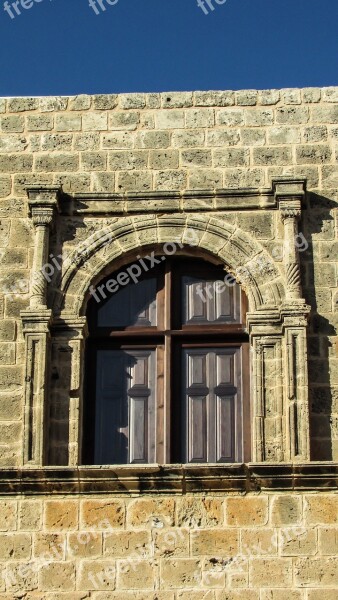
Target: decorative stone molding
column 170, row 480
column 276, row 321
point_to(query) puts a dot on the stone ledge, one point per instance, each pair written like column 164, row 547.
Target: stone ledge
column 172, row 479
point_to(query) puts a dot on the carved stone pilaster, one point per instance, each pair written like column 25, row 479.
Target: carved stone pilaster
column 280, row 418
column 42, row 205
column 289, row 196
column 36, row 333
column 69, row 335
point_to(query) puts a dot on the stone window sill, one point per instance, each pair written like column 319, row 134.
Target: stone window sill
column 170, row 479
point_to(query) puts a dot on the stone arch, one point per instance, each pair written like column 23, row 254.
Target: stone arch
column 241, row 254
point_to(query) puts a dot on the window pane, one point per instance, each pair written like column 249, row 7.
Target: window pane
column 133, row 305
column 208, row 301
column 125, row 407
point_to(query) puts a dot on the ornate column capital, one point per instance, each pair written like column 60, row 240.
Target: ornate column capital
column 290, row 209
column 43, row 204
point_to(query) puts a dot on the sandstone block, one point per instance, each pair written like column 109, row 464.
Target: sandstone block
column 68, row 122
column 123, row 160
column 319, row 153
column 199, row 512
column 237, row 594
column 330, row 94
column 246, row 511
column 80, row 102
column 58, row 162
column 123, row 544
column 170, row 119
column 269, row 97
column 15, row 546
column 151, row 513
column 102, row 514
column 269, row 572
column 84, row 545
column 53, row 103
column 311, row 95
column 21, row 576
column 125, row 121
column 39, row 122
column 315, row 133
column 253, row 137
column 95, row 122
column 16, row 163
column 132, row 101
column 58, row 576
column 56, row 141
column 283, row 135
column 61, row 514
column 180, row 573
column 200, row 179
column 202, row 117
column 102, row 182
column 230, row 116
column 196, row 158
column 214, row 98
column 182, row 139
column 136, row 575
column 153, row 100
column 328, row 540
column 222, row 137
column 86, row 141
column 30, row 515
column 258, row 542
column 259, row 117
column 281, row 155
column 105, row 101
column 10, row 407
column 318, row 594
column 321, row 509
column 281, row 594
column 134, row 181
column 176, row 100
column 118, row 140
column 321, row 572
column 5, row 185
column 22, row 104
column 49, row 547
column 152, row 139
column 231, row 157
column 170, row 180
column 246, row 97
column 163, row 159
column 171, row 542
column 324, row 114
column 298, row 541
column 93, row 161
column 12, row 124
column 223, row 542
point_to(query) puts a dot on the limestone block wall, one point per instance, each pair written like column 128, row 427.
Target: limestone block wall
column 275, row 541
column 135, row 143
column 268, row 546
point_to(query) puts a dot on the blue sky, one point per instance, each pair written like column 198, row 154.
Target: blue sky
column 63, row 47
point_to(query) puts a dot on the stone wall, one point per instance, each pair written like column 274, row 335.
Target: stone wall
column 164, row 161
column 266, row 546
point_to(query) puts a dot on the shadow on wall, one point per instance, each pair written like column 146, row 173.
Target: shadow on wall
column 318, row 228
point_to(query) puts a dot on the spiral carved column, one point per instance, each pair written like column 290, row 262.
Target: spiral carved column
column 291, row 213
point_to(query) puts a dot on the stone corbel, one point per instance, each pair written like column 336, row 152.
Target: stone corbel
column 289, row 196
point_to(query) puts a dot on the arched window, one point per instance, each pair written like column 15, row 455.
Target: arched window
column 167, row 374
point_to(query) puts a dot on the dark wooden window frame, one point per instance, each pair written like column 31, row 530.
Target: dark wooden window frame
column 169, row 337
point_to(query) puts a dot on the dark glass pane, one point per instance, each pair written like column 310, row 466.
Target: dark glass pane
column 133, row 305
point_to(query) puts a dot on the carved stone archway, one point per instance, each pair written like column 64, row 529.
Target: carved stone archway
column 276, row 321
